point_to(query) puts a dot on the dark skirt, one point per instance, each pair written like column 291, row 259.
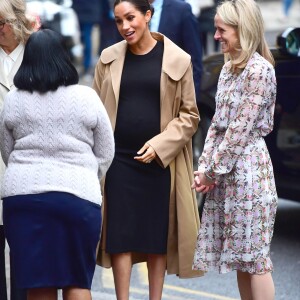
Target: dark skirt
column 137, row 198
column 52, row 238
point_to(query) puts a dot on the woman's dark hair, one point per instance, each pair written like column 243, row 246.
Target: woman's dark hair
column 142, row 5
column 46, row 64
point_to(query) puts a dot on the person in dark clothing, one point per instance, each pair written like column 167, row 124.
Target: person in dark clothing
column 109, row 34
column 88, row 13
column 174, row 19
column 207, row 26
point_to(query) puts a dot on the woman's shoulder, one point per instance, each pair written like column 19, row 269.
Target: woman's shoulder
column 80, row 91
column 113, row 52
column 83, row 98
column 16, row 94
column 170, row 47
column 175, row 60
column 259, row 73
column 258, row 63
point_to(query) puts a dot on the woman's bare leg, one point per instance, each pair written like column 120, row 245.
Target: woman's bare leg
column 244, row 284
column 74, row 293
column 262, row 287
column 156, row 264
column 42, row 294
column 256, row 287
column 122, row 266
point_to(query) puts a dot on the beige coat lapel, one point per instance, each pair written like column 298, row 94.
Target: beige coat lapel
column 110, row 66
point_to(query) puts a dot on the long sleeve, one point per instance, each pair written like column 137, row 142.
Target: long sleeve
column 104, row 146
column 6, row 134
column 208, row 147
column 254, row 117
column 182, row 127
column 58, row 141
column 210, row 140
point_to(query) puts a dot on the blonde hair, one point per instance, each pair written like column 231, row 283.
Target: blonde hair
column 14, row 13
column 245, row 16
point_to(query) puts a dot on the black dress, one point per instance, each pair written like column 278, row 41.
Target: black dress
column 138, row 194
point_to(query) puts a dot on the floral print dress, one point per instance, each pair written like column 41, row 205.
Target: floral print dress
column 239, row 213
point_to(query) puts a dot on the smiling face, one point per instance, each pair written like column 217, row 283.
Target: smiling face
column 227, row 36
column 131, row 23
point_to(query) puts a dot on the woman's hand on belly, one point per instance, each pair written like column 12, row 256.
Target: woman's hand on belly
column 146, row 154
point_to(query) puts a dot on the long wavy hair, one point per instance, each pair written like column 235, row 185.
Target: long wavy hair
column 14, row 13
column 246, row 18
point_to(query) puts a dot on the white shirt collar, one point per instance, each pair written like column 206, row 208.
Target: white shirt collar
column 8, row 60
column 14, row 54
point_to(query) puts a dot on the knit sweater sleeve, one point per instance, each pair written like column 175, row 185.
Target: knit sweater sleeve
column 104, row 146
column 6, row 134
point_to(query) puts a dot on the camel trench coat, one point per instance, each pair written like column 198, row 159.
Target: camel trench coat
column 179, row 121
column 7, row 84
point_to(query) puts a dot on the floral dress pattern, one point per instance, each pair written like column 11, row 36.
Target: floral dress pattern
column 239, row 213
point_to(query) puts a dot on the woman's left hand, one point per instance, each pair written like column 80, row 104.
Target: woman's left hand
column 146, row 154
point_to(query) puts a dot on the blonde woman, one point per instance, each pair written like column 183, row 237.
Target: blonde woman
column 15, row 28
column 235, row 168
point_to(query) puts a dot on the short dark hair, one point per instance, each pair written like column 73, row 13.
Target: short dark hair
column 46, row 64
column 142, row 5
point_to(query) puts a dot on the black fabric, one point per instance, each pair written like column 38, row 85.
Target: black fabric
column 137, row 193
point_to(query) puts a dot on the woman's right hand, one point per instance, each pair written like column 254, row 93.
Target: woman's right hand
column 201, row 185
column 146, row 154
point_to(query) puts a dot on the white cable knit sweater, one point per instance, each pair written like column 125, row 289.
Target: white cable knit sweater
column 58, row 141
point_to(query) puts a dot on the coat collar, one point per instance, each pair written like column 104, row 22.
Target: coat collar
column 172, row 55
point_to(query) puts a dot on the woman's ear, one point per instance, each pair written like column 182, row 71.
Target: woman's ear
column 148, row 16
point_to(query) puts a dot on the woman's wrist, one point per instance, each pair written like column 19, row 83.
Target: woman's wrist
column 209, row 176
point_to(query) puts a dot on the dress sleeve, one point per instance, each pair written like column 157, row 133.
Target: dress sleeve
column 211, row 137
column 258, row 96
column 6, row 133
column 209, row 146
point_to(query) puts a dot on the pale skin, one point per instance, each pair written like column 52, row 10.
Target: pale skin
column 133, row 26
column 201, row 183
column 71, row 293
column 251, row 286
